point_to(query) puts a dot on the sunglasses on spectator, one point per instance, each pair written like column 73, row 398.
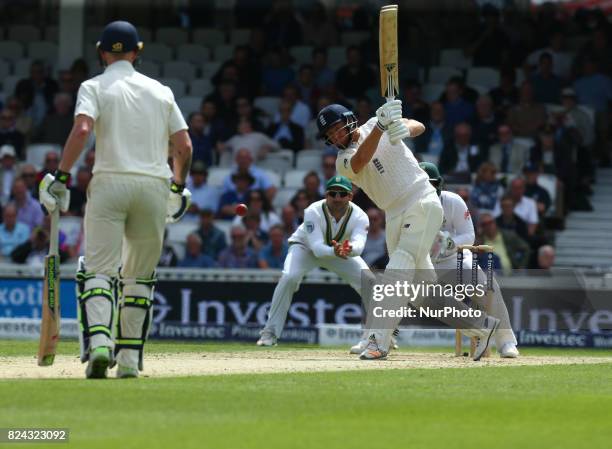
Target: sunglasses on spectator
column 28, row 174
column 336, row 193
column 238, row 236
column 487, row 223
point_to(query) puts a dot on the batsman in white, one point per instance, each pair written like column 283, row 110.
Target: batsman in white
column 130, row 198
column 458, row 229
column 332, row 236
column 377, row 160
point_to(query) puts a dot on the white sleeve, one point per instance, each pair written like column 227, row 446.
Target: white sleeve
column 87, row 101
column 314, row 235
column 176, row 122
column 343, row 163
column 359, row 235
column 462, row 223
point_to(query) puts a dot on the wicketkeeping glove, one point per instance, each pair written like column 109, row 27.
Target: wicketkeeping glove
column 179, row 201
column 388, row 113
column 53, row 192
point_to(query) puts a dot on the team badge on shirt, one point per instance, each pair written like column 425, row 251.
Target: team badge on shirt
column 309, row 226
column 345, row 163
column 466, row 215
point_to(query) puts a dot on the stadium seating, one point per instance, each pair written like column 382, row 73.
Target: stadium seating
column 200, row 87
column 354, row 37
column 46, row 51
column 294, row 178
column 172, row 36
column 9, row 83
column 269, row 105
column 11, row 50
column 454, row 57
column 177, row 86
column 301, row 54
column 23, row 33
column 440, row 74
column 5, row 70
column 149, row 68
column 183, row 70
column 484, row 76
column 208, row 36
column 278, row 162
column 239, row 36
column 210, row 68
column 283, row 197
column 21, row 68
column 189, row 105
column 336, row 57
column 431, row 92
column 51, row 34
column 216, row 175
column 308, row 160
column 274, row 177
column 194, row 53
column 157, row 52
column 222, row 53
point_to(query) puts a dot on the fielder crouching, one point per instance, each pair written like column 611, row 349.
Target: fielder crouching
column 130, row 199
column 332, row 236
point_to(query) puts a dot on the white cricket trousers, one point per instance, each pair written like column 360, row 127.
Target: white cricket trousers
column 410, row 236
column 125, row 217
column 300, row 260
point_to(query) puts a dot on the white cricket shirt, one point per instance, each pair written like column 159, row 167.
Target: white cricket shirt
column 320, row 228
column 392, row 178
column 134, row 117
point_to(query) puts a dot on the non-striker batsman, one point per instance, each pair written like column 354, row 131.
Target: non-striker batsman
column 129, row 199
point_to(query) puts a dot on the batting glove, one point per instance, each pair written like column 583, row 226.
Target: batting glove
column 53, row 192
column 388, row 113
column 397, row 131
column 179, row 201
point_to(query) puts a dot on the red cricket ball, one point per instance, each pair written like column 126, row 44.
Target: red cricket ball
column 241, row 210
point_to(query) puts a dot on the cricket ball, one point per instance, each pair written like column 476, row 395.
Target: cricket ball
column 241, row 210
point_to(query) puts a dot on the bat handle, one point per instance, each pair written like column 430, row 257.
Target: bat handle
column 54, row 234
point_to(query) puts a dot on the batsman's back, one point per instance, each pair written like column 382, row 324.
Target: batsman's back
column 134, row 118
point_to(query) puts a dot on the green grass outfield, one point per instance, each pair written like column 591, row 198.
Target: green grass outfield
column 494, row 407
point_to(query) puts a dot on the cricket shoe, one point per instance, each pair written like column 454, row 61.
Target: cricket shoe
column 373, row 351
column 267, row 339
column 99, row 360
column 508, row 351
column 126, row 372
column 394, row 344
column 359, row 347
column 482, row 341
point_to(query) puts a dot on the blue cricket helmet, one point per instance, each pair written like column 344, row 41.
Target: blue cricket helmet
column 332, row 114
column 119, row 37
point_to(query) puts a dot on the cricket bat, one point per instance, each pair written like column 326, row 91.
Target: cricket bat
column 389, row 71
column 50, row 323
column 388, row 52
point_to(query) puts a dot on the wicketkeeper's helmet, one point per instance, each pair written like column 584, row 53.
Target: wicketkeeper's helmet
column 435, row 178
column 332, row 114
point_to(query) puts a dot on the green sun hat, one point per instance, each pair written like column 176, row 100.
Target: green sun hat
column 339, row 181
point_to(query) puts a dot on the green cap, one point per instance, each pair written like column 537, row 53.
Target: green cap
column 431, row 170
column 339, row 181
